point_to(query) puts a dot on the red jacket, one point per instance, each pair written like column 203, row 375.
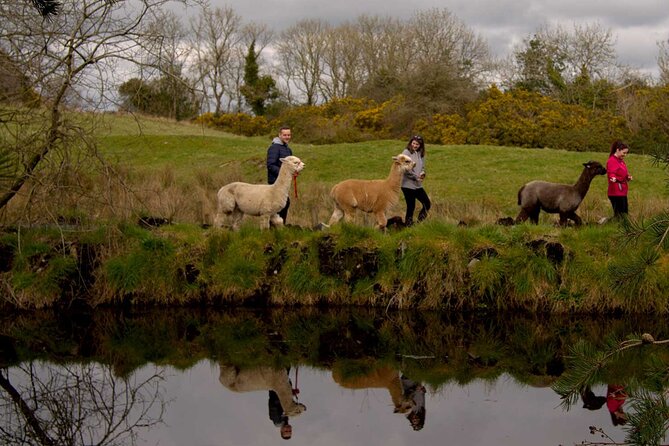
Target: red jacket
column 616, row 168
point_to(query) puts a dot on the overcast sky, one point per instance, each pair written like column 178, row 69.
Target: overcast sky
column 637, row 25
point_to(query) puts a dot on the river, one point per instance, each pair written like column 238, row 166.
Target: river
column 349, row 376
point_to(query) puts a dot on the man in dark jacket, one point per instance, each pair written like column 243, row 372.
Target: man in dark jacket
column 279, row 149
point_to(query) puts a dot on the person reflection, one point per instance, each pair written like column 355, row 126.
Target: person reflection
column 414, row 402
column 615, row 398
column 282, row 401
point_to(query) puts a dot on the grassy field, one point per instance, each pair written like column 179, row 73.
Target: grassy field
column 176, row 169
column 173, row 170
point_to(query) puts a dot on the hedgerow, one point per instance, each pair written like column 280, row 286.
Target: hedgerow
column 505, row 118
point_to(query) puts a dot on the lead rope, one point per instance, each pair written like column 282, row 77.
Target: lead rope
column 296, row 391
column 295, row 183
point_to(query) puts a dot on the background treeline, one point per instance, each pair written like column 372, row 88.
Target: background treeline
column 381, row 77
column 369, row 78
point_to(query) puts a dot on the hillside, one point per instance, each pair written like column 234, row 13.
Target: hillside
column 465, row 183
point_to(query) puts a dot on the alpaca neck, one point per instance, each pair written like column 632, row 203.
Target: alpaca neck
column 284, row 179
column 583, row 183
column 395, row 176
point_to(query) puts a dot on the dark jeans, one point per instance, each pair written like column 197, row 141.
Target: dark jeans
column 619, row 205
column 410, row 196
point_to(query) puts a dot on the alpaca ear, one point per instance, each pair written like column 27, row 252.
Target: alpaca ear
column 283, row 160
column 395, row 158
column 587, row 164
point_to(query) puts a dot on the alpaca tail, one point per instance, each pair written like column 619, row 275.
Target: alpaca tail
column 520, row 193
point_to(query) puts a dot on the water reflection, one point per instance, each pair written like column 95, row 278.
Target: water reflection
column 282, row 402
column 407, row 396
column 244, row 377
column 76, row 404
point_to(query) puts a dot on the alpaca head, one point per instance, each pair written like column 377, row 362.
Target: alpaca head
column 594, row 168
column 292, row 163
column 403, row 162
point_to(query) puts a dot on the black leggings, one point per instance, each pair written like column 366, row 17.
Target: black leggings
column 619, row 205
column 410, row 196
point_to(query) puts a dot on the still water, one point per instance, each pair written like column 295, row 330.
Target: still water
column 352, row 377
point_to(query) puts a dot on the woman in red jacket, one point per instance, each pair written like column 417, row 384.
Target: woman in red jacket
column 618, row 176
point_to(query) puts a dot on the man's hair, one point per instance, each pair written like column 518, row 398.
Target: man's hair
column 284, row 127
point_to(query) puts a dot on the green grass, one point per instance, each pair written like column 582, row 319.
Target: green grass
column 465, row 183
column 174, row 171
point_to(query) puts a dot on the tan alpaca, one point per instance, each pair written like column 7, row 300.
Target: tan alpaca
column 381, row 378
column 372, row 196
column 238, row 199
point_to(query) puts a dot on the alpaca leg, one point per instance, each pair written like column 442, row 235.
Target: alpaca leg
column 336, row 216
column 275, row 221
column 572, row 216
column 218, row 220
column 381, row 219
column 534, row 215
column 236, row 217
column 522, row 216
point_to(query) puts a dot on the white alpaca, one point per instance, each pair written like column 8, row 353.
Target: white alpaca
column 371, row 196
column 262, row 378
column 237, row 199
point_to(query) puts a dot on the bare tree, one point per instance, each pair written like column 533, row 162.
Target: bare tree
column 383, row 50
column 663, row 61
column 74, row 405
column 440, row 38
column 166, row 53
column 300, row 52
column 342, row 69
column 71, row 60
column 217, row 35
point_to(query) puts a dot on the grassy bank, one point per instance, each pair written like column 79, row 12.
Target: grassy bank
column 434, row 265
column 89, row 248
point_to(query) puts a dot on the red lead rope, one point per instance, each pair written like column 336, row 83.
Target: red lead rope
column 295, row 184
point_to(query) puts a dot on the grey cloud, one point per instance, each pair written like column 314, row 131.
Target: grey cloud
column 637, row 25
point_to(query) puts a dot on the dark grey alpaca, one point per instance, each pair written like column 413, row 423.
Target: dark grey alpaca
column 556, row 198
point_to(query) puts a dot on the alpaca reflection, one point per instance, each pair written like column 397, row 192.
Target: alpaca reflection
column 282, row 402
column 407, row 396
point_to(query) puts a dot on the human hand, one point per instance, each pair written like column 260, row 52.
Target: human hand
column 421, row 176
column 629, row 177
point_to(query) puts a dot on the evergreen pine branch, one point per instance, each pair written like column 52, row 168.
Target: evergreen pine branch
column 648, row 420
column 586, row 362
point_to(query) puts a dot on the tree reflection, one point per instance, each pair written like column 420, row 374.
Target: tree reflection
column 76, row 404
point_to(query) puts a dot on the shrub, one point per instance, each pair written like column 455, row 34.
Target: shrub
column 527, row 119
column 443, row 129
column 237, row 123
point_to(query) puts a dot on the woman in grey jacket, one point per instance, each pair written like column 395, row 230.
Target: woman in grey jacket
column 412, row 182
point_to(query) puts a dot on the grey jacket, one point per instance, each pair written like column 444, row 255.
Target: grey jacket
column 411, row 179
